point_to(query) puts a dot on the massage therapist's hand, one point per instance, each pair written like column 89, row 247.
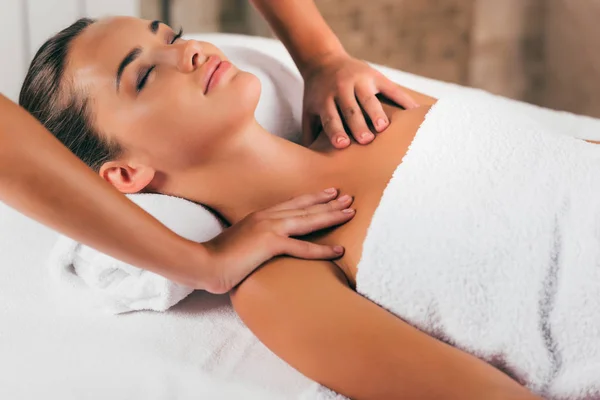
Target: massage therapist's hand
column 337, row 87
column 260, row 236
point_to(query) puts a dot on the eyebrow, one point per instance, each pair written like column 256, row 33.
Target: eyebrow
column 134, row 54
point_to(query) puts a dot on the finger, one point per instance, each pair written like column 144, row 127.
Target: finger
column 333, row 126
column 395, row 93
column 309, row 126
column 368, row 100
column 306, row 200
column 338, row 204
column 310, row 251
column 305, row 224
column 353, row 116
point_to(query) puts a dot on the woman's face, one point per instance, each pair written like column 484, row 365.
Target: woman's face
column 168, row 102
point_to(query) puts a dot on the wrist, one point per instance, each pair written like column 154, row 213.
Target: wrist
column 317, row 59
column 191, row 263
column 209, row 268
column 302, row 29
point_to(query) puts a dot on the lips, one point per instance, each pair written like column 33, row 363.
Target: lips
column 209, row 67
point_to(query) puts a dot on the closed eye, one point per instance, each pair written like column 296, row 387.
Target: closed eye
column 177, row 36
column 143, row 77
column 145, row 73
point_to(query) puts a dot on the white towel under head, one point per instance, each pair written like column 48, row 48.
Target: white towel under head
column 118, row 287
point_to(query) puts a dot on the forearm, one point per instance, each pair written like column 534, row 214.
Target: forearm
column 302, row 29
column 42, row 179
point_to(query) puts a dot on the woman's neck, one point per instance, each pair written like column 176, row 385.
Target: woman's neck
column 251, row 171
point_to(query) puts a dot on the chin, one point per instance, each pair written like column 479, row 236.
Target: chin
column 248, row 89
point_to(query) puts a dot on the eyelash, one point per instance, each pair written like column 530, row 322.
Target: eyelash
column 143, row 76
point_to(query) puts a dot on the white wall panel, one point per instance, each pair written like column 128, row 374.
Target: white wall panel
column 13, row 47
column 26, row 24
column 47, row 17
column 97, row 8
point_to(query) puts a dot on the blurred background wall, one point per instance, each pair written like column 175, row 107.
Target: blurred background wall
column 26, row 24
column 542, row 51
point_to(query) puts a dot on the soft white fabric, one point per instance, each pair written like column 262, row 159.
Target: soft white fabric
column 488, row 238
column 50, row 348
column 118, row 287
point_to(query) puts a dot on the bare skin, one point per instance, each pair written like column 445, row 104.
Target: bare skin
column 204, row 144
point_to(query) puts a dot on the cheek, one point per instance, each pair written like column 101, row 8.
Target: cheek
column 160, row 135
column 176, row 125
column 214, row 115
column 236, row 102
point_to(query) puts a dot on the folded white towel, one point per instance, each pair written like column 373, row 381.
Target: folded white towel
column 488, row 238
column 120, row 287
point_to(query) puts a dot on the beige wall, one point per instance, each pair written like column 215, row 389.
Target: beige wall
column 543, row 51
column 507, row 48
column 573, row 56
column 428, row 37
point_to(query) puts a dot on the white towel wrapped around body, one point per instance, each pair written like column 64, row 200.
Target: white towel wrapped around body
column 488, row 238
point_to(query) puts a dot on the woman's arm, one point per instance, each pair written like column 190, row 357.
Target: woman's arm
column 44, row 180
column 307, row 315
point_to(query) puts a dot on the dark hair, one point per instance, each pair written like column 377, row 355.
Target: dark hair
column 50, row 98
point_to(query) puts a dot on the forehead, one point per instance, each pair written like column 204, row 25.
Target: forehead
column 96, row 53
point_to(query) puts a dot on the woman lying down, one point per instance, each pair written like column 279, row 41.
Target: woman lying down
column 471, row 268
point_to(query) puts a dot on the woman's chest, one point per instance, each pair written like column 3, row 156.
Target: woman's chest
column 352, row 235
column 367, row 171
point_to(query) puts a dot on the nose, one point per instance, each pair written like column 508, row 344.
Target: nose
column 190, row 56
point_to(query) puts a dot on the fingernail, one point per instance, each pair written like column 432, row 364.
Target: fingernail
column 344, row 198
column 341, row 140
column 381, row 123
column 331, row 191
column 366, row 136
column 348, row 211
column 338, row 249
